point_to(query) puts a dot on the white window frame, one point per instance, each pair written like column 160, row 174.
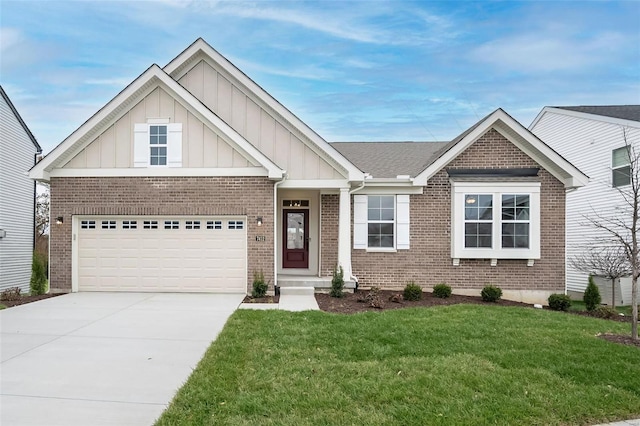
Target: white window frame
column 143, row 145
column 497, row 190
column 615, row 168
column 361, row 222
column 383, row 221
column 159, row 145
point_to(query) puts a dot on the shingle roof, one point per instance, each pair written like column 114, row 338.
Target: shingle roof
column 390, row 159
column 625, row 112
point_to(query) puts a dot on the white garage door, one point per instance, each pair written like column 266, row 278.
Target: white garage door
column 171, row 254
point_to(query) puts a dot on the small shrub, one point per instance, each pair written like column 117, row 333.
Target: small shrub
column 442, row 290
column 412, row 291
column 11, row 294
column 591, row 296
column 559, row 302
column 259, row 285
column 371, row 298
column 396, row 298
column 491, row 293
column 337, row 283
column 38, row 276
column 605, row 312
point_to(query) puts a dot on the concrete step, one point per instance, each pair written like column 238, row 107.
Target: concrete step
column 319, row 283
column 297, row 291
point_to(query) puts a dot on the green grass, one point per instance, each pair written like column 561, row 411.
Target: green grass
column 2, row 306
column 578, row 305
column 458, row 364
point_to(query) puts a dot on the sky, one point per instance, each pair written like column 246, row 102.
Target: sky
column 351, row 70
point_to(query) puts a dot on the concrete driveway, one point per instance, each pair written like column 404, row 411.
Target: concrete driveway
column 103, row 358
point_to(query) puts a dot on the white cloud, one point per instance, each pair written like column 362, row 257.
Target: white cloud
column 9, row 37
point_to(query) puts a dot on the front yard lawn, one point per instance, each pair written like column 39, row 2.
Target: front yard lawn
column 461, row 364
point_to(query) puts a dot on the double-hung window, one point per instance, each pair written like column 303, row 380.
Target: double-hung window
column 381, row 222
column 620, row 167
column 158, row 145
column 496, row 220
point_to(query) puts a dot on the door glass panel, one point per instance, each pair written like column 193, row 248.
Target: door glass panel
column 295, row 231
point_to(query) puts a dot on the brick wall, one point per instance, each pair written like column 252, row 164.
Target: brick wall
column 330, row 205
column 250, row 196
column 429, row 262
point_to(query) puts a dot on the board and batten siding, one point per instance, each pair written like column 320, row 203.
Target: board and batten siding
column 271, row 135
column 201, row 147
column 587, row 144
column 17, row 153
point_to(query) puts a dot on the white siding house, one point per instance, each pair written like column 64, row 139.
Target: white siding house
column 591, row 137
column 18, row 149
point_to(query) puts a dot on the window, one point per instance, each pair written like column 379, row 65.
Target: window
column 381, row 222
column 192, row 224
column 496, row 220
column 158, row 145
column 171, row 224
column 620, row 167
column 129, row 224
column 214, row 224
column 108, row 224
column 236, row 224
column 380, row 218
column 150, row 224
column 295, row 203
column 88, row 224
column 478, row 220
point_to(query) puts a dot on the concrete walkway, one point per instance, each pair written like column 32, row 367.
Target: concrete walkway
column 103, row 358
column 292, row 299
column 635, row 422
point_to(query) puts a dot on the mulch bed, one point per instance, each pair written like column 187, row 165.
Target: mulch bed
column 620, row 339
column 28, row 299
column 349, row 303
column 266, row 299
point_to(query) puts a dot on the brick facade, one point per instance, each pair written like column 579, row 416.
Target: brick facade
column 139, row 196
column 429, row 262
column 330, row 206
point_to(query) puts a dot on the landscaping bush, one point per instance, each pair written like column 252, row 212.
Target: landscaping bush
column 591, row 296
column 442, row 290
column 12, row 293
column 259, row 285
column 337, row 283
column 559, row 302
column 38, row 276
column 372, row 298
column 491, row 293
column 605, row 312
column 412, row 291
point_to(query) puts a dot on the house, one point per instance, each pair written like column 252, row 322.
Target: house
column 592, row 138
column 18, row 151
column 193, row 178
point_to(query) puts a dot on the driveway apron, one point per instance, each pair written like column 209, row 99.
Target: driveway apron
column 103, row 358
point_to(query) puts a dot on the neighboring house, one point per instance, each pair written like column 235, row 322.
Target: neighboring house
column 194, row 178
column 18, row 150
column 593, row 139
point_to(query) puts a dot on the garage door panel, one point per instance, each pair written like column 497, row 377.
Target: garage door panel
column 198, row 260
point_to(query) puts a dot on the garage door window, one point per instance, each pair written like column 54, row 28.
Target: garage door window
column 150, row 224
column 129, row 224
column 236, row 224
column 171, row 224
column 108, row 224
column 214, row 224
column 88, row 224
column 192, row 224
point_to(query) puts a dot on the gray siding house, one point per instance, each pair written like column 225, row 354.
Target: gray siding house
column 18, row 150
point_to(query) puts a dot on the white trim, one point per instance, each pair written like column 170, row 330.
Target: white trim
column 344, row 231
column 179, row 66
column 360, row 232
column 403, row 220
column 391, row 190
column 522, row 138
column 158, row 121
column 315, row 184
column 75, row 220
column 584, row 115
column 160, row 171
column 458, row 191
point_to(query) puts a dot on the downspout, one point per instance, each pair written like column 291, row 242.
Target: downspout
column 275, row 232
column 356, row 189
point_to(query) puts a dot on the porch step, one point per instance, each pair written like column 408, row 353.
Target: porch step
column 302, row 281
column 296, row 291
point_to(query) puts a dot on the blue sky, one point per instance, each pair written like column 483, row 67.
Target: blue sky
column 356, row 70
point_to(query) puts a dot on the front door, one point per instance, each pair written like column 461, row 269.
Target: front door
column 295, row 240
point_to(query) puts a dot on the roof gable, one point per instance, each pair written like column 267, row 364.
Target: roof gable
column 522, row 138
column 202, row 51
column 20, row 120
column 624, row 115
column 148, row 81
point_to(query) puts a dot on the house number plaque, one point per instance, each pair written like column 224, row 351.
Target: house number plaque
column 261, row 238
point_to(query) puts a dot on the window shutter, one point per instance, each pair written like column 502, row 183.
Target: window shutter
column 402, row 222
column 174, row 144
column 140, row 145
column 360, row 232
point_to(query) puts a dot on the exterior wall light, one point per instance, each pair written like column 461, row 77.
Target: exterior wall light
column 59, row 220
column 259, row 220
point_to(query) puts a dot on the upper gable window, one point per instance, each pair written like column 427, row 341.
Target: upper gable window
column 157, row 144
column 620, row 167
